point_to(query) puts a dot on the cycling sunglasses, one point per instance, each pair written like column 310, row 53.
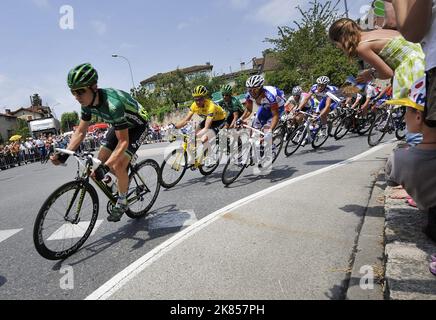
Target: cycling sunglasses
column 78, row 92
column 198, row 99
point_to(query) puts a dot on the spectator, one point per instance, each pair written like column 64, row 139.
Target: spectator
column 389, row 54
column 413, row 167
column 416, row 22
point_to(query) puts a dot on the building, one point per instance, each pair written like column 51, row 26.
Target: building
column 259, row 66
column 190, row 73
column 8, row 120
column 8, row 125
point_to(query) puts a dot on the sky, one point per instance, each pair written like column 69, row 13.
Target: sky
column 43, row 39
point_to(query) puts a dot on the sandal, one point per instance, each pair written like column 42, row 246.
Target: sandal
column 432, row 268
column 411, row 202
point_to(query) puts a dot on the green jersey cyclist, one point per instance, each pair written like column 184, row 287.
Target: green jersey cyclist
column 128, row 120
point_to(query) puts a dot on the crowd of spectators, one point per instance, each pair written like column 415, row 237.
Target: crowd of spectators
column 29, row 150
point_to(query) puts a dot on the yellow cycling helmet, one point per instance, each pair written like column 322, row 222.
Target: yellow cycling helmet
column 199, row 91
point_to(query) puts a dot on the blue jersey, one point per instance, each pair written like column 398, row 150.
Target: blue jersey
column 322, row 96
column 272, row 95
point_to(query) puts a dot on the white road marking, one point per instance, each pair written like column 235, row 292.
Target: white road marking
column 123, row 277
column 173, row 219
column 70, row 231
column 5, row 234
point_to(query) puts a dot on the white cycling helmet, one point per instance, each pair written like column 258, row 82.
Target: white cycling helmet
column 323, row 80
column 256, row 81
column 297, row 91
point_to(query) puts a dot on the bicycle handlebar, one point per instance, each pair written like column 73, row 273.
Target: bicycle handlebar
column 86, row 156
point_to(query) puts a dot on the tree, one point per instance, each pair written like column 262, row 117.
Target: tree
column 22, row 128
column 307, row 52
column 69, row 120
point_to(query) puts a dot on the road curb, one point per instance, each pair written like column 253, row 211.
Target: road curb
column 366, row 278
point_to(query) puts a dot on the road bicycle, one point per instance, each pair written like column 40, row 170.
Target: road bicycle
column 187, row 155
column 355, row 120
column 245, row 145
column 68, row 216
column 309, row 132
column 389, row 120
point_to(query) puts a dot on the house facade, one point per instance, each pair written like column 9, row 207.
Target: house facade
column 190, row 73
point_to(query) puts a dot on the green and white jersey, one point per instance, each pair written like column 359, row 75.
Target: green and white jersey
column 234, row 106
column 117, row 108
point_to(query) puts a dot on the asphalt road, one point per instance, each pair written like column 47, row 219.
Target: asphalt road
column 26, row 275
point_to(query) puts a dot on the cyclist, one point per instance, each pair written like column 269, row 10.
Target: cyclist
column 319, row 91
column 271, row 102
column 213, row 115
column 129, row 122
column 293, row 103
column 232, row 105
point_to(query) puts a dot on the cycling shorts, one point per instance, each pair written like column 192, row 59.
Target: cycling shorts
column 137, row 137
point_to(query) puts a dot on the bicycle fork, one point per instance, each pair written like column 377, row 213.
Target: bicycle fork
column 76, row 219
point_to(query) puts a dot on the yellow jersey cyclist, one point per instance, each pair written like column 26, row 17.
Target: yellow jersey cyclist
column 127, row 133
column 212, row 114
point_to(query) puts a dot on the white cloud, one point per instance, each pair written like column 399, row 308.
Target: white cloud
column 99, row 26
column 41, row 3
column 239, row 4
column 182, row 25
column 278, row 12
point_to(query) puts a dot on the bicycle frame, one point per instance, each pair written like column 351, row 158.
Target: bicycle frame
column 88, row 162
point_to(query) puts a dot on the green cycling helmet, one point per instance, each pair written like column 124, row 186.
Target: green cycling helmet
column 227, row 89
column 82, row 76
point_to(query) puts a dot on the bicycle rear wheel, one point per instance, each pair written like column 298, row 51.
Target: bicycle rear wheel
column 365, row 122
column 173, row 168
column 212, row 162
column 144, row 188
column 60, row 228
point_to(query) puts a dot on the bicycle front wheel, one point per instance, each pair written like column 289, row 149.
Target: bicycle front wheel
column 173, row 168
column 144, row 188
column 65, row 220
column 295, row 141
column 378, row 129
column 236, row 163
column 320, row 138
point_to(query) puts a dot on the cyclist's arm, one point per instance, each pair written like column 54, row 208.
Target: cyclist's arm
column 78, row 135
column 185, row 121
column 304, row 102
column 366, row 103
column 248, row 110
column 235, row 118
column 356, row 102
column 275, row 118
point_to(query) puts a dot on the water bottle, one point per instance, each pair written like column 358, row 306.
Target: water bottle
column 111, row 181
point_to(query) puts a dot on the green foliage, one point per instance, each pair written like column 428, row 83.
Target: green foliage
column 22, row 128
column 306, row 52
column 69, row 120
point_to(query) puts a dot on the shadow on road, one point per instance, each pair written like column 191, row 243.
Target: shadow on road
column 128, row 231
column 3, row 280
column 279, row 173
column 322, row 162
